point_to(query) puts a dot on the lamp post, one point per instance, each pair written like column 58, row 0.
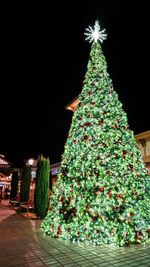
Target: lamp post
column 30, row 162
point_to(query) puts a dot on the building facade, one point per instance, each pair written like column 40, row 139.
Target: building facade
column 143, row 140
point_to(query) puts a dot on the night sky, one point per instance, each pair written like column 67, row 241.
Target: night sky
column 44, row 58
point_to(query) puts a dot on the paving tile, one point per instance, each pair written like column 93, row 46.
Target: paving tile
column 36, row 264
column 56, row 265
column 104, row 264
column 74, row 264
column 135, row 264
column 87, row 264
column 120, row 264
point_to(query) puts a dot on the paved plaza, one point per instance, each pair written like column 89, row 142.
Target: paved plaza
column 22, row 243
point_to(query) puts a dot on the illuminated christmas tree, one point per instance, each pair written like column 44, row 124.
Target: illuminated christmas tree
column 101, row 196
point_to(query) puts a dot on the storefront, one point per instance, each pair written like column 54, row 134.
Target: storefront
column 5, row 177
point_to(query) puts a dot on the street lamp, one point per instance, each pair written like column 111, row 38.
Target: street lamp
column 30, row 161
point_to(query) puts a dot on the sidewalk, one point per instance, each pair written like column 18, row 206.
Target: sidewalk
column 22, row 243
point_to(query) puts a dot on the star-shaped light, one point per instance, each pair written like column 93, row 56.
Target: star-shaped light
column 95, row 34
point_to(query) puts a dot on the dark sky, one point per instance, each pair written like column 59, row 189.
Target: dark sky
column 43, row 62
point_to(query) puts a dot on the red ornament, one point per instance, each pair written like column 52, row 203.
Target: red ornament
column 89, row 116
column 89, row 236
column 62, row 199
column 139, row 235
column 119, row 195
column 88, row 124
column 81, row 126
column 101, row 121
column 104, row 145
column 89, row 92
column 124, row 153
column 70, row 198
column 80, row 118
column 108, row 172
column 131, row 214
column 101, row 189
column 59, row 231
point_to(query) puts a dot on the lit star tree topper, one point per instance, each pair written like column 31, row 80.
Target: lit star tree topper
column 95, row 34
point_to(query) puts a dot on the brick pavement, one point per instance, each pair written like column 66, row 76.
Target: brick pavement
column 22, row 243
